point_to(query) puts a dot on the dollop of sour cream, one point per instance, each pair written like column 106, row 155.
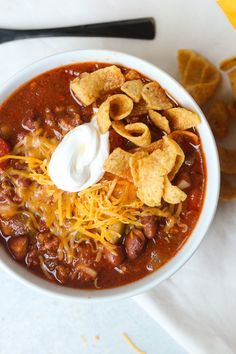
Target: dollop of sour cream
column 77, row 162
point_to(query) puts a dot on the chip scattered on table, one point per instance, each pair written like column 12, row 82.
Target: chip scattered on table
column 227, row 160
column 227, row 189
column 218, row 118
column 232, row 79
column 228, row 64
column 232, row 109
column 200, row 77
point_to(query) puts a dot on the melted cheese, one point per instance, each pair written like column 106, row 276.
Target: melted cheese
column 73, row 217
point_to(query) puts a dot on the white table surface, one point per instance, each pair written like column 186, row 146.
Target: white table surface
column 32, row 323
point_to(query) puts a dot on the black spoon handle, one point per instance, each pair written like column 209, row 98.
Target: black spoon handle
column 141, row 28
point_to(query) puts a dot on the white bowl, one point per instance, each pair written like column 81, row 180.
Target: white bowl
column 212, row 187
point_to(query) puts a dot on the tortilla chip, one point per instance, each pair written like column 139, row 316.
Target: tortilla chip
column 116, row 107
column 218, row 118
column 149, row 171
column 232, row 109
column 227, row 160
column 139, row 108
column 148, row 182
column 179, row 135
column 232, row 79
column 142, row 133
column 177, row 154
column 151, row 189
column 132, row 75
column 198, row 75
column 227, row 189
column 172, row 194
column 103, row 117
column 159, row 121
column 195, row 70
column 133, row 89
column 228, row 64
column 120, row 106
column 118, row 164
column 83, row 75
column 90, row 87
column 167, row 154
column 183, row 59
column 156, row 97
column 165, row 160
column 181, row 118
column 201, row 92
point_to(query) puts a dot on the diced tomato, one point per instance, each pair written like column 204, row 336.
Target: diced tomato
column 116, row 140
column 183, row 180
column 4, row 149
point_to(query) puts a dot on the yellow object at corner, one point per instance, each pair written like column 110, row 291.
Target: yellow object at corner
column 229, row 8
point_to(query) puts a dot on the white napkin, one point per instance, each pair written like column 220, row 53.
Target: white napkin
column 197, row 306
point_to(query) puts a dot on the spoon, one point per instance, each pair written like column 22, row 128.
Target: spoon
column 140, row 28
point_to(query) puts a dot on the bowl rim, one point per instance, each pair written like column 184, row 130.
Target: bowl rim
column 211, row 191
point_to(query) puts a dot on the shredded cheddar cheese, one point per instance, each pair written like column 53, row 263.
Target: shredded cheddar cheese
column 73, row 217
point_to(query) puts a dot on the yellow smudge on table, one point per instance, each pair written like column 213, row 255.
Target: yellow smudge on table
column 132, row 344
column 96, row 338
column 84, row 340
